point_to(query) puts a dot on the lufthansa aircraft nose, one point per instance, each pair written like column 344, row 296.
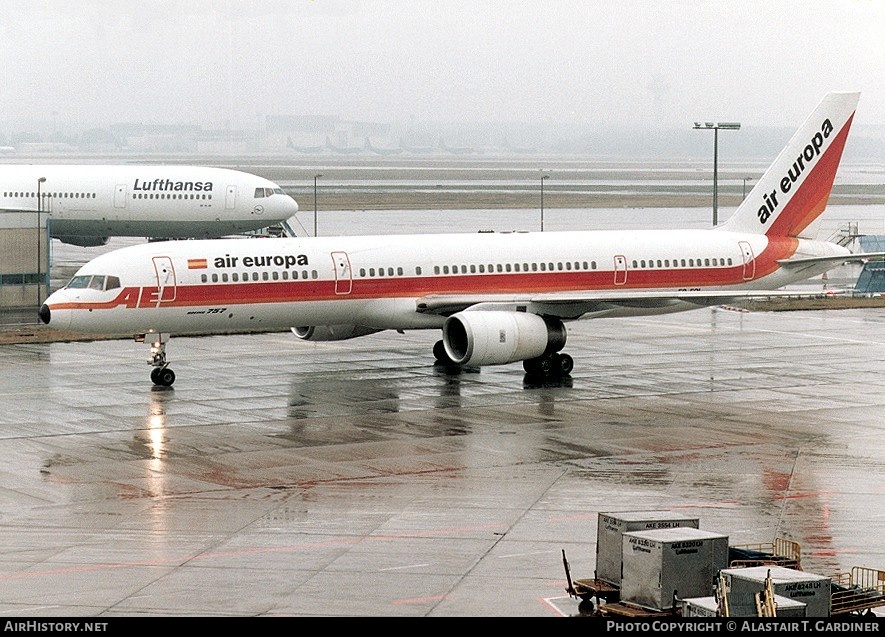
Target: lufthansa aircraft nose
column 44, row 314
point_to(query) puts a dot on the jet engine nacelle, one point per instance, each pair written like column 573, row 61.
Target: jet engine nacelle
column 496, row 338
column 84, row 241
column 332, row 332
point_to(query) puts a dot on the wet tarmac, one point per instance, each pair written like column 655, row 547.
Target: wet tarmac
column 282, row 478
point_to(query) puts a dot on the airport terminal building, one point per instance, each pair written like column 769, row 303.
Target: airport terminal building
column 24, row 259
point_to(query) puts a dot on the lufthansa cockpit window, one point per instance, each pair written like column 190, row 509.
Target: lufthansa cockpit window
column 94, row 282
column 267, row 192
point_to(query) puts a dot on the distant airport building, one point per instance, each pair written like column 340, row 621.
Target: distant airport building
column 872, row 278
column 24, row 259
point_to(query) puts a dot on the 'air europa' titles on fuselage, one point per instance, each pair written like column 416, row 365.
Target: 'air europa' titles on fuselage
column 260, row 261
column 167, row 185
column 811, row 152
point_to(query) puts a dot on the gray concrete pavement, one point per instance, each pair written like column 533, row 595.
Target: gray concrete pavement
column 281, row 478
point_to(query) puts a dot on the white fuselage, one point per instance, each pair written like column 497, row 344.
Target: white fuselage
column 406, row 281
column 86, row 204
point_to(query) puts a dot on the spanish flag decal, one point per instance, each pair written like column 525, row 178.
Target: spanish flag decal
column 197, row 264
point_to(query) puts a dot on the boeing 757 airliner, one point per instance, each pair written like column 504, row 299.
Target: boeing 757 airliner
column 496, row 298
column 85, row 205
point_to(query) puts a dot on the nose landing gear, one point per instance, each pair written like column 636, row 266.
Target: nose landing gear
column 161, row 374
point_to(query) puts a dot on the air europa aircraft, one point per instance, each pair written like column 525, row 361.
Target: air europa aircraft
column 86, row 204
column 497, row 298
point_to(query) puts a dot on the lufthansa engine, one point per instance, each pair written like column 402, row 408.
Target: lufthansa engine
column 84, row 241
column 496, row 337
column 332, row 332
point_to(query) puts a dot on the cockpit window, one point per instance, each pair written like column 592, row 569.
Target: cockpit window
column 79, row 282
column 268, row 192
column 96, row 282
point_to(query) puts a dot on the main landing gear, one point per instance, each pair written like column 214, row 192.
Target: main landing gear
column 550, row 365
column 554, row 364
column 161, row 374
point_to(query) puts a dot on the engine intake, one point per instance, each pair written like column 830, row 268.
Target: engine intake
column 496, row 338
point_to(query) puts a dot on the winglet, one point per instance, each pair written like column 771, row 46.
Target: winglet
column 795, row 189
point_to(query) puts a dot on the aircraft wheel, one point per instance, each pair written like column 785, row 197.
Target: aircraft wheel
column 439, row 352
column 540, row 366
column 163, row 376
column 565, row 364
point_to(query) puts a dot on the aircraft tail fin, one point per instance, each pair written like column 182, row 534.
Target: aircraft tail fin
column 795, row 189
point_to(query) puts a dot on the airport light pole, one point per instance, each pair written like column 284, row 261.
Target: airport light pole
column 543, row 177
column 315, row 177
column 744, row 191
column 40, row 183
column 715, row 128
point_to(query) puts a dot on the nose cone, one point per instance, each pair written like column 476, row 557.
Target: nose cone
column 59, row 319
column 293, row 205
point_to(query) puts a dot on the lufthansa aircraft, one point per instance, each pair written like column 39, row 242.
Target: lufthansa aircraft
column 496, row 297
column 85, row 204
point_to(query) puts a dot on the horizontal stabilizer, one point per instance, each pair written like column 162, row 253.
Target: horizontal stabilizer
column 834, row 259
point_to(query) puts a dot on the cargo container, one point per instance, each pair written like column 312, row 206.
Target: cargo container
column 611, row 527
column 659, row 567
column 743, row 584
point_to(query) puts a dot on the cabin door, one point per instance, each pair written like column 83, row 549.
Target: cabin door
column 620, row 269
column 749, row 261
column 165, row 280
column 120, row 196
column 343, row 276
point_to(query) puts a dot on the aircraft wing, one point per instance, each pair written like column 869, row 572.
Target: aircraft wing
column 571, row 305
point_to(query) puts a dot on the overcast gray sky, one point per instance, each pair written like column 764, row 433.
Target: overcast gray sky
column 611, row 62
